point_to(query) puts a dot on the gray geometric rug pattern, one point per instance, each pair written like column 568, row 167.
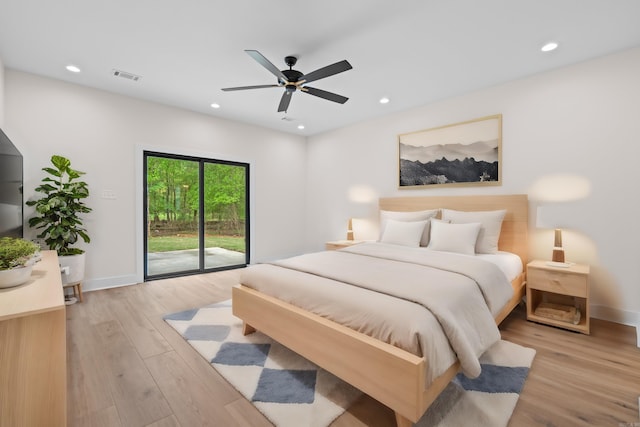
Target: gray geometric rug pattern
column 293, row 392
column 288, row 389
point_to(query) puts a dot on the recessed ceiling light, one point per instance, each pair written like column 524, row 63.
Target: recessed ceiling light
column 73, row 68
column 300, row 127
column 214, row 105
column 549, row 47
column 384, row 100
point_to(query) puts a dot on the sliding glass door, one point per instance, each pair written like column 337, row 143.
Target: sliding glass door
column 197, row 216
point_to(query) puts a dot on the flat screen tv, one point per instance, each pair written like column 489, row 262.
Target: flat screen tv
column 11, row 180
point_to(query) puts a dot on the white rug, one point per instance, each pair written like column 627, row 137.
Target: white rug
column 292, row 392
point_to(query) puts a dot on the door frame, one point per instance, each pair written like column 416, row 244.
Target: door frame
column 140, row 226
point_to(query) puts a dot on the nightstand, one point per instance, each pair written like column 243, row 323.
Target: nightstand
column 554, row 294
column 339, row 244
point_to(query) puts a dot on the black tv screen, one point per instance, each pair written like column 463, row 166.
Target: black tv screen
column 10, row 188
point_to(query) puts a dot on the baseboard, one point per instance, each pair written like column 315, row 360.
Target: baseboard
column 625, row 317
column 108, row 282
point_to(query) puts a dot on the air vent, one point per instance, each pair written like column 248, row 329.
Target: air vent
column 126, row 75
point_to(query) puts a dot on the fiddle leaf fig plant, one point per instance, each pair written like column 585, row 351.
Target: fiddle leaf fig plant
column 57, row 212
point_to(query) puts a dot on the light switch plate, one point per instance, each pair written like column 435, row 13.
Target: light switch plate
column 108, row 194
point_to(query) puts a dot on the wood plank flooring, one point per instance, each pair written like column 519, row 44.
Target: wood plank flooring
column 127, row 367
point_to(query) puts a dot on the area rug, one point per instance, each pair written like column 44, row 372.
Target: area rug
column 293, row 392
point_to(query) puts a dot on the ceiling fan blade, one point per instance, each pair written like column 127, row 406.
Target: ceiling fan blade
column 325, row 95
column 227, row 89
column 327, row 71
column 284, row 101
column 266, row 64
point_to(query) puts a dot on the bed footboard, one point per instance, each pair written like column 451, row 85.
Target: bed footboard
column 390, row 375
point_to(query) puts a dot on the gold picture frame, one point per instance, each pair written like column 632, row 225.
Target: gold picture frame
column 461, row 154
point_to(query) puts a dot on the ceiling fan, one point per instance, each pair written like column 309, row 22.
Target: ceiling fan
column 292, row 80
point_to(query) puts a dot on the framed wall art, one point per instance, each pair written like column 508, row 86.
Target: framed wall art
column 461, row 154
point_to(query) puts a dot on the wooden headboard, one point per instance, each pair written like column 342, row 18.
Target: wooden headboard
column 515, row 226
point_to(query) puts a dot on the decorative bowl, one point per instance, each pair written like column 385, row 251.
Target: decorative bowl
column 15, row 276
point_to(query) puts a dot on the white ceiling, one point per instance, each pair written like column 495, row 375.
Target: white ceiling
column 413, row 51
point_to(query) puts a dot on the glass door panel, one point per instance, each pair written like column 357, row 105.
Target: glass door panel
column 173, row 220
column 225, row 215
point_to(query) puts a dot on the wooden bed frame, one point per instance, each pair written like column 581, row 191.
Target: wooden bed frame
column 389, row 374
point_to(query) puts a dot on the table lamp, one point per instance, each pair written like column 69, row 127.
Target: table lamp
column 558, row 252
column 350, row 229
column 547, row 217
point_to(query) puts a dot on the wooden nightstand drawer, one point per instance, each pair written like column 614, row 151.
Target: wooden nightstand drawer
column 557, row 282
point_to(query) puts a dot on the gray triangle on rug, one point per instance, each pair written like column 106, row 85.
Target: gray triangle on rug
column 293, row 392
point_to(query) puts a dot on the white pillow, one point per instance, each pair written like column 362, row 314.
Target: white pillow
column 460, row 238
column 407, row 217
column 405, row 233
column 489, row 232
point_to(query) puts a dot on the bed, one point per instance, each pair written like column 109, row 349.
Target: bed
column 396, row 377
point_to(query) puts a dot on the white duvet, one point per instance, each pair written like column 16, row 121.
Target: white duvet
column 433, row 304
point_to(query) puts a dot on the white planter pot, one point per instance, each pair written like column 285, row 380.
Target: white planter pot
column 72, row 267
column 15, row 276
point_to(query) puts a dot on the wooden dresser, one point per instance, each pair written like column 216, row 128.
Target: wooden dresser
column 33, row 369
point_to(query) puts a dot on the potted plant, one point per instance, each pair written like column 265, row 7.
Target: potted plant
column 57, row 214
column 17, row 257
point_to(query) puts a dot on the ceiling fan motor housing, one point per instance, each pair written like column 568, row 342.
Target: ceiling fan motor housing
column 292, row 77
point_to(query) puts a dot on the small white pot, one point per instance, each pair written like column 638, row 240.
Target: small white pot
column 72, row 268
column 15, row 276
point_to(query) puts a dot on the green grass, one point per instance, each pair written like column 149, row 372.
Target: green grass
column 178, row 243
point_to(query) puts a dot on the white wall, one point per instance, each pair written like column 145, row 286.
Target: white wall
column 101, row 133
column 1, row 93
column 580, row 120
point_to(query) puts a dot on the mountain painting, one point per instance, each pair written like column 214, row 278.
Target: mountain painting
column 467, row 153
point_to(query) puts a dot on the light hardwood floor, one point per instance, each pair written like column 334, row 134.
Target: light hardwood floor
column 127, row 367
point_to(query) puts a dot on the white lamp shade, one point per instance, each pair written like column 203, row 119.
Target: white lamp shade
column 554, row 216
